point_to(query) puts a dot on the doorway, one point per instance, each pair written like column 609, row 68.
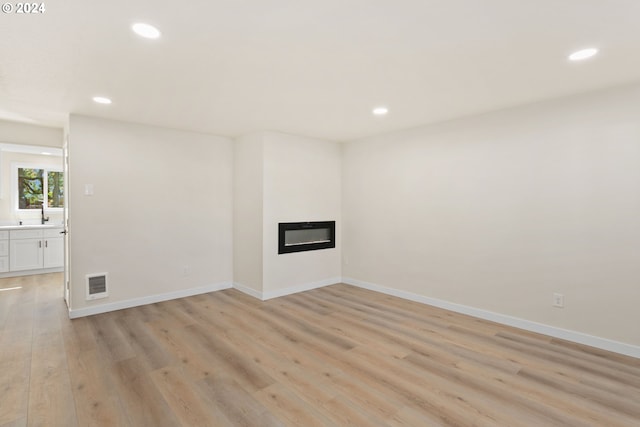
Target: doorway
column 33, row 182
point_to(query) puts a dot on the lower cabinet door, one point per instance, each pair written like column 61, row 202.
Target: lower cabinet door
column 53, row 252
column 25, row 254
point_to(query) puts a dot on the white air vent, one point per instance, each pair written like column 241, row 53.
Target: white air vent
column 97, row 286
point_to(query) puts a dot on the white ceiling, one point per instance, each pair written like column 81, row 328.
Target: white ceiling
column 313, row 68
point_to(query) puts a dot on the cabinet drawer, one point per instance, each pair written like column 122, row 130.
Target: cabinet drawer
column 4, row 235
column 25, row 234
column 52, row 232
column 4, row 248
column 4, row 264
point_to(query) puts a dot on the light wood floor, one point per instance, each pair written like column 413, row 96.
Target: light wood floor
column 335, row 356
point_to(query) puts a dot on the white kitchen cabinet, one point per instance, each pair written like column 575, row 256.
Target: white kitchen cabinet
column 4, row 251
column 25, row 254
column 53, row 252
column 35, row 249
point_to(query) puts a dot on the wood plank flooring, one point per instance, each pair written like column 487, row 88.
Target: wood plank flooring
column 336, row 356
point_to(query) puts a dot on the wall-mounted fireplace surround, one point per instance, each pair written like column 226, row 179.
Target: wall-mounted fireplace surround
column 306, row 236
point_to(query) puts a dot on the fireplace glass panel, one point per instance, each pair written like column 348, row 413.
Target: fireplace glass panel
column 306, row 237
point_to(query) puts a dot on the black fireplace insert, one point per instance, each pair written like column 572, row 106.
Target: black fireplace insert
column 306, row 236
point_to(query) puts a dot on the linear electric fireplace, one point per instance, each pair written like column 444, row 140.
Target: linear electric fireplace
column 306, row 236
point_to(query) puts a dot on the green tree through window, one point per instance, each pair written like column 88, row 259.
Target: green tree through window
column 55, row 187
column 33, row 183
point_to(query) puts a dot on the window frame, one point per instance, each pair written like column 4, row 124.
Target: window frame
column 15, row 191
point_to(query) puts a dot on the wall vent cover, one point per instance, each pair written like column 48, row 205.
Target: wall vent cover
column 97, row 286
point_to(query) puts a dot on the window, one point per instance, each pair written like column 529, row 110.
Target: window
column 55, row 189
column 34, row 183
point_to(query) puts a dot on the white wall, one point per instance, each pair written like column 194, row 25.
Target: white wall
column 247, row 212
column 302, row 182
column 26, row 134
column 284, row 178
column 500, row 211
column 8, row 214
column 162, row 201
column 494, row 212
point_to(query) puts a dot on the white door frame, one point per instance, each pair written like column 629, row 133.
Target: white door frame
column 65, row 213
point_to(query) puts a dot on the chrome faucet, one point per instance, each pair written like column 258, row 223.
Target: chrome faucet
column 42, row 218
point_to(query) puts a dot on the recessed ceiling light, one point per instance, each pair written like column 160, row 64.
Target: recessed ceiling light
column 145, row 30
column 380, row 111
column 101, row 100
column 583, row 54
column 46, row 153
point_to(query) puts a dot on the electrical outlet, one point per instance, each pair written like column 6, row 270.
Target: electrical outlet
column 186, row 270
column 558, row 300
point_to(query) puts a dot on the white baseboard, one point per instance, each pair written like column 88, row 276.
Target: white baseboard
column 119, row 305
column 286, row 291
column 32, row 272
column 577, row 337
column 300, row 288
column 247, row 290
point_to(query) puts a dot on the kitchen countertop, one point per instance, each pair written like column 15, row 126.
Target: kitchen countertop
column 30, row 226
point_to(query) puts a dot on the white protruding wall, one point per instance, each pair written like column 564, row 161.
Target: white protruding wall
column 159, row 221
column 499, row 211
column 248, row 213
column 284, row 178
column 302, row 182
